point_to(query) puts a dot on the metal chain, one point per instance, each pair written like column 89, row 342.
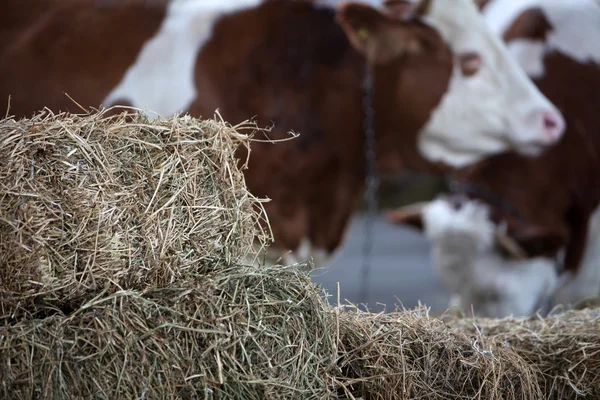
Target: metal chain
column 371, row 181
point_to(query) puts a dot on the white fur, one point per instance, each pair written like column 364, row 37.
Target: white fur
column 497, row 109
column 575, row 33
column 467, row 263
column 305, row 252
column 162, row 78
column 530, row 56
column 457, row 237
column 522, row 287
column 587, row 281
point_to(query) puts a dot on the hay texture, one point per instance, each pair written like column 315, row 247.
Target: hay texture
column 243, row 334
column 121, row 277
column 564, row 349
column 98, row 203
column 408, row 355
column 248, row 333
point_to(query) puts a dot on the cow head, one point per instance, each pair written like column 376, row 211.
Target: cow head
column 441, row 73
column 497, row 269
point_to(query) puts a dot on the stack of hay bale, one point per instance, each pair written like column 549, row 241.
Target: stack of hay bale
column 122, row 276
column 120, row 241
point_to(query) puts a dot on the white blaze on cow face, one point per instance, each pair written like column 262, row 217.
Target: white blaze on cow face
column 468, row 264
column 495, row 109
column 510, row 289
column 162, row 78
column 575, row 30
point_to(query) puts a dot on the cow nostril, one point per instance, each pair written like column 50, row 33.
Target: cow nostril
column 457, row 202
column 553, row 125
column 549, row 122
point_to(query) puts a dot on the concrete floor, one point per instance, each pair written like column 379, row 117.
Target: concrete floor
column 400, row 271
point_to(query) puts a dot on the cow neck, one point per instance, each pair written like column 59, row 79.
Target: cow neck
column 398, row 147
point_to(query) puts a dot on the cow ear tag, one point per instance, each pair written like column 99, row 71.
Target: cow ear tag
column 363, row 34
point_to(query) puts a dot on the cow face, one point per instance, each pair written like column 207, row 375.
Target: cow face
column 440, row 70
column 494, row 272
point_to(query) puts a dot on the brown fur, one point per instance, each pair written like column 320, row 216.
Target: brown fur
column 76, row 47
column 285, row 63
column 530, row 24
column 311, row 84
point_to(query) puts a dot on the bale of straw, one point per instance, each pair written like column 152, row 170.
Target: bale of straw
column 120, row 240
column 104, row 202
column 243, row 334
column 408, row 355
column 248, row 333
column 564, row 348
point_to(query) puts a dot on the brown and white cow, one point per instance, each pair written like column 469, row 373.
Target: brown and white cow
column 513, row 222
column 446, row 89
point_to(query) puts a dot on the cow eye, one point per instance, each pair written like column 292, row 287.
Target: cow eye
column 470, row 62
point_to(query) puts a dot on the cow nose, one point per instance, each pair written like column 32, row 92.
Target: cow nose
column 456, row 201
column 553, row 126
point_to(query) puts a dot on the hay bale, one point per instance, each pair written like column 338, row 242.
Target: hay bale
column 251, row 334
column 97, row 203
column 120, row 243
column 564, row 348
column 242, row 333
column 408, row 355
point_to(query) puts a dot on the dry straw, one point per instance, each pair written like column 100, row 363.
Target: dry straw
column 120, row 248
column 98, row 203
column 242, row 334
column 564, row 348
column 408, row 355
column 247, row 333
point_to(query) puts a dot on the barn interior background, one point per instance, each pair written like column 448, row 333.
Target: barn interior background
column 399, row 270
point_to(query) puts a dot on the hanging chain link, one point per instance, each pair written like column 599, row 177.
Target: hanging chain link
column 371, row 181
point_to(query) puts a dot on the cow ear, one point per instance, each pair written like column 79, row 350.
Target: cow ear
column 408, row 217
column 380, row 38
column 531, row 24
column 539, row 240
column 481, row 4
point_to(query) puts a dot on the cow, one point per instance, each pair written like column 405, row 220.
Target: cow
column 520, row 234
column 446, row 92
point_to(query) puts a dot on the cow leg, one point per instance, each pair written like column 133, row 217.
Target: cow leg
column 454, row 301
column 330, row 216
column 585, row 281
